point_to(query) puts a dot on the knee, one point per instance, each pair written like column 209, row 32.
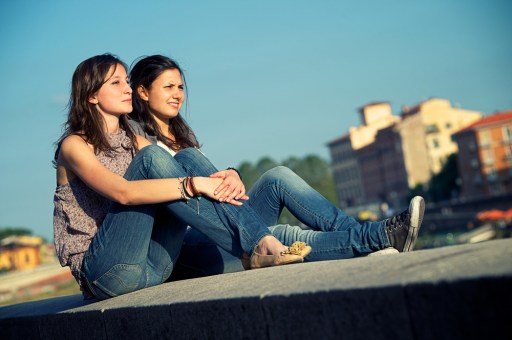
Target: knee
column 195, row 162
column 278, row 173
column 151, row 151
column 191, row 153
column 153, row 162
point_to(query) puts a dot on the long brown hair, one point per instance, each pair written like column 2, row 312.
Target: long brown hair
column 144, row 73
column 84, row 118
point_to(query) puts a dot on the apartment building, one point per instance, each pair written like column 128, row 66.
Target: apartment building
column 347, row 173
column 383, row 158
column 485, row 156
column 383, row 168
column 426, row 131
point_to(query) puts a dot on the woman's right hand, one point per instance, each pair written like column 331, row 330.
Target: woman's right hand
column 207, row 187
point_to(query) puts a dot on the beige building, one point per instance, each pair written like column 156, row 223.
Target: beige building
column 485, row 156
column 380, row 160
column 425, row 132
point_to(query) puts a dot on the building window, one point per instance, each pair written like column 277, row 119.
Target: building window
column 435, row 143
column 448, row 125
column 508, row 155
column 474, row 163
column 488, row 157
column 432, row 128
column 492, row 176
column 485, row 139
column 507, row 134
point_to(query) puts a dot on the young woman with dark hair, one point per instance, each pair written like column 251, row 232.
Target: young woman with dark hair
column 159, row 93
column 122, row 205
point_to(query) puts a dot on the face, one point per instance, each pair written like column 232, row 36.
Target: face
column 115, row 95
column 165, row 96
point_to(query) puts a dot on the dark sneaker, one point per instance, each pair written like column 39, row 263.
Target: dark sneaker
column 402, row 229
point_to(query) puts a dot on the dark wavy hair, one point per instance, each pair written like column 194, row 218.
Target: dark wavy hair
column 84, row 119
column 144, row 73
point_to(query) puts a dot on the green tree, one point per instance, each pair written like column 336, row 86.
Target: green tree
column 444, row 185
column 14, row 231
column 313, row 169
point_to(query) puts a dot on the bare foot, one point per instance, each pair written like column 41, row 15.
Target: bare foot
column 269, row 245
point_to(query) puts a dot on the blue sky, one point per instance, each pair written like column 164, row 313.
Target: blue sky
column 266, row 78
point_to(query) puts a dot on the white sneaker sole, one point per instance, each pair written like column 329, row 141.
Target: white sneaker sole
column 385, row 251
column 416, row 209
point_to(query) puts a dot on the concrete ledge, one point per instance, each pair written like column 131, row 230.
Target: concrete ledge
column 459, row 292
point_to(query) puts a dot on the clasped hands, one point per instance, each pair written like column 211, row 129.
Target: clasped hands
column 232, row 189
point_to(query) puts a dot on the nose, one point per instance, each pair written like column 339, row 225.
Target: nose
column 128, row 89
column 177, row 93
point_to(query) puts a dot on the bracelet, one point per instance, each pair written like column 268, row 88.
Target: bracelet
column 181, row 188
column 188, row 190
column 235, row 170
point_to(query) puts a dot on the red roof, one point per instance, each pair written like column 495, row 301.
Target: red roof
column 488, row 120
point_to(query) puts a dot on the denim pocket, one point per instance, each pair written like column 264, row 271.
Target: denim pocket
column 120, row 279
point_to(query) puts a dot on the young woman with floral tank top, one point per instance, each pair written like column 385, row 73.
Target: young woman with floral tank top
column 122, row 205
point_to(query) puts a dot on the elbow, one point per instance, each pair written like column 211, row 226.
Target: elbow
column 123, row 198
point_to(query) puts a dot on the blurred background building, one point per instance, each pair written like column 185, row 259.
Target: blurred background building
column 380, row 161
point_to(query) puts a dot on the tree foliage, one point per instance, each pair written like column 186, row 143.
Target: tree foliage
column 313, row 169
column 13, row 231
column 443, row 185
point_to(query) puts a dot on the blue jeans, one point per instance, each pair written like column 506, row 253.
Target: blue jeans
column 332, row 234
column 137, row 246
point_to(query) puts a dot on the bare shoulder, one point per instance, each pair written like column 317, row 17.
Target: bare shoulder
column 72, row 142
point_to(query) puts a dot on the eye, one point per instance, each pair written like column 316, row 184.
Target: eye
column 181, row 87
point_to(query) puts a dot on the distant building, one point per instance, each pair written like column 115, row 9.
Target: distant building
column 20, row 252
column 485, row 156
column 383, row 168
column 346, row 167
column 425, row 131
column 380, row 160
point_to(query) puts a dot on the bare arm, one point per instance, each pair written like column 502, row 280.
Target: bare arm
column 77, row 159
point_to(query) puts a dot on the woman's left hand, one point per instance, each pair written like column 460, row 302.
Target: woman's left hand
column 231, row 188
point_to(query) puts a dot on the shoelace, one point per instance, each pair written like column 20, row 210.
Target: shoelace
column 398, row 220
